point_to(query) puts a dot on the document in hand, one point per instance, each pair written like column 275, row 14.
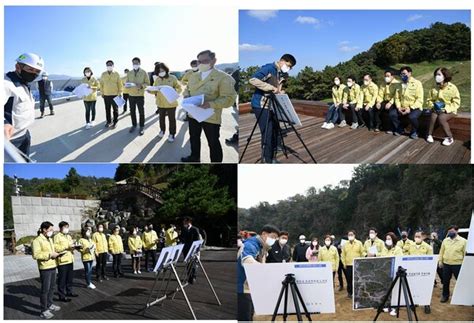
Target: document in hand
column 373, row 250
column 82, row 90
column 129, row 85
column 119, row 100
column 191, row 105
column 168, row 92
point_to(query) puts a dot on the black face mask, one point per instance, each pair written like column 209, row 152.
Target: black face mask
column 27, row 76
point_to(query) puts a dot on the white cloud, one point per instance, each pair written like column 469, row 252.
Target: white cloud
column 345, row 46
column 307, row 20
column 262, row 15
column 414, row 17
column 255, row 47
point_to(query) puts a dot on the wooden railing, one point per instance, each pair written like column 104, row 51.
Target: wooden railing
column 136, row 187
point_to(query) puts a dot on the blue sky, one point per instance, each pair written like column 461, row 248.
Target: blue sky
column 72, row 37
column 326, row 37
column 29, row 171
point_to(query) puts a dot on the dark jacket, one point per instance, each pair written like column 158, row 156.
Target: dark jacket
column 299, row 253
column 278, row 254
column 188, row 236
column 44, row 87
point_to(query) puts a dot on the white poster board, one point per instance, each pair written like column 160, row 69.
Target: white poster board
column 421, row 273
column 314, row 281
column 289, row 110
column 470, row 237
column 463, row 293
column 195, row 248
column 176, row 253
column 164, row 258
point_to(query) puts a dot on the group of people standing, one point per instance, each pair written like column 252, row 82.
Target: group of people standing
column 56, row 252
column 270, row 245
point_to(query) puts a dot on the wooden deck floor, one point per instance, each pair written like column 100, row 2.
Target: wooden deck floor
column 343, row 145
column 125, row 298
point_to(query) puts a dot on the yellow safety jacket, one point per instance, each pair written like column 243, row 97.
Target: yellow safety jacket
column 42, row 248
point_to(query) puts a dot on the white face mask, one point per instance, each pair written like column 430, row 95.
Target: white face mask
column 283, row 241
column 388, row 79
column 285, row 68
column 136, row 67
column 388, row 242
column 134, row 233
column 314, row 243
column 101, row 229
column 349, row 84
column 351, row 238
column 302, row 241
column 49, row 234
column 65, row 230
column 45, row 77
column 366, row 82
column 418, row 240
column 110, row 68
column 327, row 242
column 204, row 67
column 88, row 74
column 337, row 82
column 195, row 69
column 162, row 74
column 239, row 243
column 372, row 236
column 270, row 241
column 88, row 234
column 439, row 78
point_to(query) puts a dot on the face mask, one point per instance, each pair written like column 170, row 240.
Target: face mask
column 134, row 233
column 349, row 84
column 285, row 68
column 283, row 241
column 372, row 236
column 66, row 230
column 302, row 241
column 388, row 79
column 110, row 68
column 451, row 235
column 351, row 238
column 101, row 229
column 366, row 82
column 389, row 242
column 88, row 234
column 239, row 243
column 162, row 74
column 270, row 241
column 136, row 67
column 204, row 67
column 439, row 78
column 88, row 74
column 405, row 78
column 49, row 234
column 27, row 76
column 195, row 69
column 45, row 78
column 337, row 82
column 314, row 243
column 418, row 240
column 327, row 242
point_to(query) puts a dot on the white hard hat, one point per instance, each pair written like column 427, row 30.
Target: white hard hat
column 302, row 237
column 31, row 60
column 44, row 74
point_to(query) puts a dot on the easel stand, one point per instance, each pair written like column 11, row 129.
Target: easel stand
column 403, row 285
column 289, row 283
column 274, row 111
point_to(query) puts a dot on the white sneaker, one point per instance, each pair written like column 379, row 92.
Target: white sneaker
column 139, row 272
column 171, row 138
column 342, row 124
column 161, row 134
column 385, row 309
column 46, row 315
column 324, row 125
column 354, row 125
column 92, row 123
column 430, row 139
column 135, row 272
column 91, row 286
column 393, row 312
column 54, row 308
column 88, row 125
column 447, row 141
column 330, row 125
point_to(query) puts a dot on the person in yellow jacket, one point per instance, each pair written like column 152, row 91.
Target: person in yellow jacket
column 444, row 100
column 351, row 249
column 166, row 108
column 405, row 243
column 101, row 247
column 330, row 254
column 87, row 250
column 171, row 236
column 390, row 248
column 409, row 102
column 187, row 75
column 350, row 100
column 64, row 245
column 138, row 80
column 419, row 247
column 150, row 239
column 219, row 93
column 110, row 87
column 135, row 245
column 91, row 99
column 334, row 112
column 372, row 246
column 386, row 98
column 366, row 104
column 451, row 256
column 43, row 252
column 116, row 250
column 125, row 91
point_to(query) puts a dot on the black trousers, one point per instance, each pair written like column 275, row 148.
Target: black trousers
column 48, row 279
column 448, row 272
column 65, row 276
column 245, row 309
column 137, row 102
column 23, row 143
column 269, row 133
column 171, row 113
column 126, row 98
column 43, row 99
column 117, row 264
column 349, row 279
column 150, row 254
column 109, row 106
column 90, row 110
column 340, row 272
column 212, row 132
column 100, row 265
column 357, row 116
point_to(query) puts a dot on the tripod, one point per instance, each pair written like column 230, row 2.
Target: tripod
column 275, row 111
column 410, row 305
column 290, row 283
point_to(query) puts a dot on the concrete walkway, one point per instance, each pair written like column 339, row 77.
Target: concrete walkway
column 63, row 137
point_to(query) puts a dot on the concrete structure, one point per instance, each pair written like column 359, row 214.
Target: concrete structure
column 29, row 212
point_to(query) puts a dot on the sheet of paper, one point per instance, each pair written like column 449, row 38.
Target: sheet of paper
column 196, row 100
column 120, row 101
column 169, row 93
column 129, row 85
column 373, row 250
column 343, row 242
column 82, row 90
column 152, row 88
column 198, row 113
